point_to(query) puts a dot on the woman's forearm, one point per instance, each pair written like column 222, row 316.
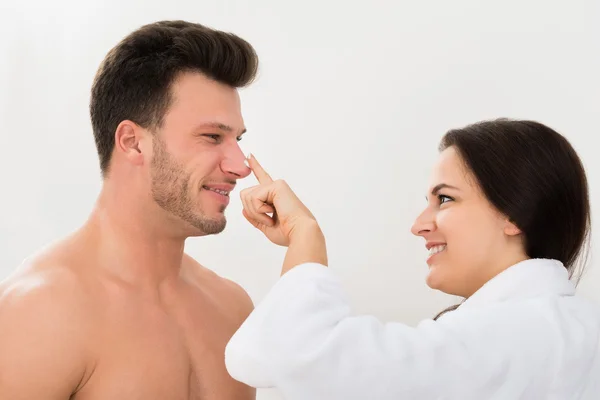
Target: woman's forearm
column 307, row 245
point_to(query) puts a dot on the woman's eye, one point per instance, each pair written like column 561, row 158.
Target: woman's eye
column 443, row 198
column 239, row 138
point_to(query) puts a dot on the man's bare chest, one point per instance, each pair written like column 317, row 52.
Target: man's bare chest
column 175, row 353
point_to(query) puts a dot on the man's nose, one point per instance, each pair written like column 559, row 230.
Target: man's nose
column 233, row 163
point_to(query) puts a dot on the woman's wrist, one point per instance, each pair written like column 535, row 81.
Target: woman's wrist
column 307, row 245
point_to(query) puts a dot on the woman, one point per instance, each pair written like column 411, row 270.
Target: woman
column 506, row 223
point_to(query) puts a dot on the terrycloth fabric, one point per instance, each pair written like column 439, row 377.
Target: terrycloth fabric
column 523, row 335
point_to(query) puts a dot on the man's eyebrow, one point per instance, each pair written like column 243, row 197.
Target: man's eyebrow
column 441, row 186
column 218, row 125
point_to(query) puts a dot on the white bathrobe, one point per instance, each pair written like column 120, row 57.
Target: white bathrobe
column 524, row 335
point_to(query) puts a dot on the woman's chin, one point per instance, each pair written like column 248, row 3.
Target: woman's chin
column 439, row 279
column 435, row 279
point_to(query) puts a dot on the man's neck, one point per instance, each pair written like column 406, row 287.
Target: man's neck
column 132, row 243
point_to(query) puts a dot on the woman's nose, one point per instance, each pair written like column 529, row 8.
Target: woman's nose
column 423, row 224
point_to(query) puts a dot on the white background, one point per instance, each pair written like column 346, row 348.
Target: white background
column 350, row 104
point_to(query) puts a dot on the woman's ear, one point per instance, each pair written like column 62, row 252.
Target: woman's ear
column 511, row 229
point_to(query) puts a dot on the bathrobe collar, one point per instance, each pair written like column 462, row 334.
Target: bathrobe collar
column 526, row 279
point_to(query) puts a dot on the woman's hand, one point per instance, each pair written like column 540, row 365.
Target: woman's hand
column 289, row 214
column 290, row 224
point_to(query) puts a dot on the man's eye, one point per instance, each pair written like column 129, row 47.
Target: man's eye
column 216, row 138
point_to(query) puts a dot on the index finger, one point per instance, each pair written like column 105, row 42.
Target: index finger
column 259, row 171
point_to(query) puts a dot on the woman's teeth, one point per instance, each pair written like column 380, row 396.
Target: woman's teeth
column 437, row 249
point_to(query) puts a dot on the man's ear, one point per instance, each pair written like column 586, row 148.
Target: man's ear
column 511, row 229
column 128, row 137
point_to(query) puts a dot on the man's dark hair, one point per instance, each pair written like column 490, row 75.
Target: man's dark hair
column 134, row 80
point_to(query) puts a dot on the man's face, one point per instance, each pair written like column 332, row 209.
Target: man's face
column 196, row 156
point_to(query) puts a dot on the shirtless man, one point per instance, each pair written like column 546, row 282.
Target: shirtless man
column 117, row 310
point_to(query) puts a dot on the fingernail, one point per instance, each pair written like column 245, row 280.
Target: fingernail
column 246, row 163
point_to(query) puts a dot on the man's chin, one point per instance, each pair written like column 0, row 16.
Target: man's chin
column 205, row 226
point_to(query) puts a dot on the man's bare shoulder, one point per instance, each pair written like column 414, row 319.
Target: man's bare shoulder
column 44, row 328
column 230, row 293
column 43, row 285
column 46, row 289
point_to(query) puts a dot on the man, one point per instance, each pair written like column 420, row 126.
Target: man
column 117, row 310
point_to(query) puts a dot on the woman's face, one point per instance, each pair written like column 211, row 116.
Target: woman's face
column 468, row 240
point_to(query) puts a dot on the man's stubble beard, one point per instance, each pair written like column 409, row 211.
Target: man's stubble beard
column 170, row 190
